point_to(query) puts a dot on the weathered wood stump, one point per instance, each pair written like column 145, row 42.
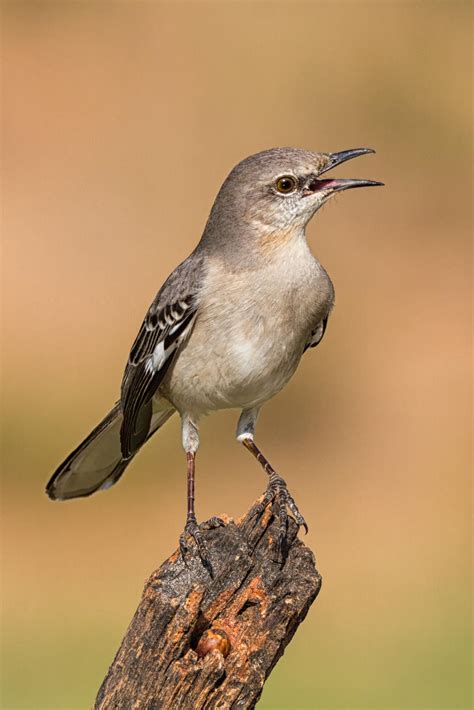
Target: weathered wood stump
column 200, row 642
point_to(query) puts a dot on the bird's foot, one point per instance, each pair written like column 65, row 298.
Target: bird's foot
column 214, row 522
column 194, row 530
column 277, row 490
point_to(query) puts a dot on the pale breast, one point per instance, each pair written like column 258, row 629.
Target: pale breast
column 250, row 333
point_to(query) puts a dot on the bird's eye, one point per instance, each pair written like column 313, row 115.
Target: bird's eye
column 286, row 184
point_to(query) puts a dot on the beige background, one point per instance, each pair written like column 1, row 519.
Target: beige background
column 121, row 119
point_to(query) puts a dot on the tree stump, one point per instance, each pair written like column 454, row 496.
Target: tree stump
column 200, row 642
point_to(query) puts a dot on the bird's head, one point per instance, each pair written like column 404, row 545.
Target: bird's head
column 279, row 190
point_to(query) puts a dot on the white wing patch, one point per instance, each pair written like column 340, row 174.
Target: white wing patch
column 158, row 357
column 161, row 353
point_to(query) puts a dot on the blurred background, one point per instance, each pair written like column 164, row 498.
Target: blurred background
column 121, row 120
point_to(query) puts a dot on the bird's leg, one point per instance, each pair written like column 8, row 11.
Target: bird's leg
column 277, row 488
column 191, row 527
column 191, row 443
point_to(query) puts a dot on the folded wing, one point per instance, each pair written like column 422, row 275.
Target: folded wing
column 166, row 326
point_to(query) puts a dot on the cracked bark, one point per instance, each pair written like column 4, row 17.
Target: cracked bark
column 196, row 642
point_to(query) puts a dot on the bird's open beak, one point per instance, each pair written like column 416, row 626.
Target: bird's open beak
column 337, row 184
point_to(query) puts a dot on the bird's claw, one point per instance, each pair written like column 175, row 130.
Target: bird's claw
column 277, row 490
column 214, row 522
column 194, row 530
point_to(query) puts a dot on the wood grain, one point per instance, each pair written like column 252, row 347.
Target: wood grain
column 200, row 642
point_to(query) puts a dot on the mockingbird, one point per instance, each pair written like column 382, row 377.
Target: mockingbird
column 227, row 329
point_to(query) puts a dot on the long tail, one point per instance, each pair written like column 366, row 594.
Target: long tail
column 97, row 463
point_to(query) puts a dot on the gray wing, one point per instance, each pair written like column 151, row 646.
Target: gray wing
column 166, row 326
column 317, row 333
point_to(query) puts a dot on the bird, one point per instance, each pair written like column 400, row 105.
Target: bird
column 226, row 330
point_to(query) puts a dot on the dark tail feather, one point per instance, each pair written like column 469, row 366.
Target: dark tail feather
column 97, row 463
